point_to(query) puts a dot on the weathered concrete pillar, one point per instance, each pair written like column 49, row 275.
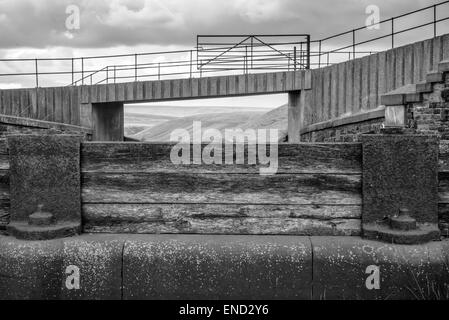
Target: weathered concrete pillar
column 108, row 121
column 298, row 101
column 45, row 186
column 86, row 115
column 400, row 188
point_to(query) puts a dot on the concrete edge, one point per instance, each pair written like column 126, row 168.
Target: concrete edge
column 220, row 267
column 33, row 123
column 333, row 123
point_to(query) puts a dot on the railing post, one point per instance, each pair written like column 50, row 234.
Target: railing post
column 82, row 72
column 246, row 59
column 135, row 67
column 308, row 52
column 191, row 61
column 107, row 74
column 353, row 44
column 252, row 44
column 37, row 73
column 73, row 71
column 434, row 21
column 159, row 71
column 115, row 74
column 392, row 33
column 319, row 54
column 294, row 58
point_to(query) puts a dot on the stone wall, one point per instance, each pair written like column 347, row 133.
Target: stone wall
column 347, row 129
column 17, row 125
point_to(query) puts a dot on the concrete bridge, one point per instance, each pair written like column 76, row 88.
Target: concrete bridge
column 334, row 92
column 100, row 107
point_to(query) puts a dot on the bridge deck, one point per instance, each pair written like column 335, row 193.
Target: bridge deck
column 196, row 88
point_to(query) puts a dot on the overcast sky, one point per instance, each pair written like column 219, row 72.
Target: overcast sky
column 37, row 28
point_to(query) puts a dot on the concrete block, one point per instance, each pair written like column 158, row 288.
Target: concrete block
column 443, row 66
column 351, row 268
column 45, row 169
column 392, row 99
column 30, row 269
column 45, row 174
column 98, row 260
column 412, row 97
column 425, row 87
column 400, row 171
column 395, row 116
column 217, row 267
column 432, row 77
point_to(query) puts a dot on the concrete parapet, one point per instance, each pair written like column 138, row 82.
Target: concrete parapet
column 219, row 267
column 351, row 268
column 223, row 267
column 30, row 270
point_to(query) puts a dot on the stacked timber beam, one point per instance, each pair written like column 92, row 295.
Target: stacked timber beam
column 135, row 188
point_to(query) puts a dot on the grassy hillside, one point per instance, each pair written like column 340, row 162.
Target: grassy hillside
column 137, row 122
column 220, row 121
column 275, row 119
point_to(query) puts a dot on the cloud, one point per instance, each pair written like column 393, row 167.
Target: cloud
column 104, row 24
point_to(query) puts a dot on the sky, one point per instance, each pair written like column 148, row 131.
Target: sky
column 45, row 28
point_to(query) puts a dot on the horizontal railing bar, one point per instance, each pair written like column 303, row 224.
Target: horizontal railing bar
column 382, row 21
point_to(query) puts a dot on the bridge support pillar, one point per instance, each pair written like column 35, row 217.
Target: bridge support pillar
column 298, row 101
column 45, row 186
column 108, row 121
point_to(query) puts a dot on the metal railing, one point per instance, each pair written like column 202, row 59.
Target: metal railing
column 220, row 55
column 250, row 54
column 392, row 27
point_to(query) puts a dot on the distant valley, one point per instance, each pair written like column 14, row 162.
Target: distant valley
column 158, row 127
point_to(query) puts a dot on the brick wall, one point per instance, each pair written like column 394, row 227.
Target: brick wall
column 432, row 115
